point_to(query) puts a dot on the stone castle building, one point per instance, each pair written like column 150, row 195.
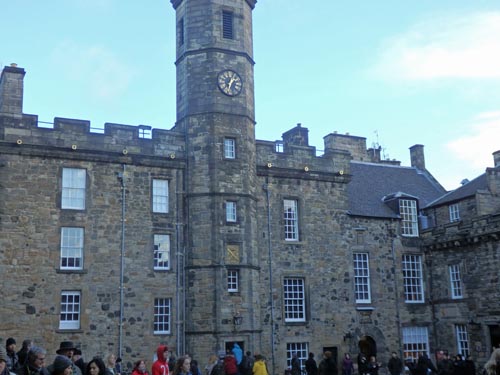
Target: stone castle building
column 202, row 236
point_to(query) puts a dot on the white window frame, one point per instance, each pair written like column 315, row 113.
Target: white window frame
column 302, row 351
column 69, row 317
column 362, row 290
column 415, row 342
column 161, row 251
column 160, row 195
column 162, row 316
column 74, row 182
column 294, row 299
column 231, row 216
column 413, row 278
column 456, row 286
column 233, row 280
column 409, row 217
column 454, row 212
column 72, row 239
column 291, row 219
column 462, row 337
column 229, row 148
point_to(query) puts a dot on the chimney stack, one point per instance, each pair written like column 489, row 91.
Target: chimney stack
column 11, row 90
column 496, row 159
column 417, row 157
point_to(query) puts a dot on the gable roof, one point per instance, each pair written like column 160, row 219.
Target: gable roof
column 467, row 190
column 373, row 183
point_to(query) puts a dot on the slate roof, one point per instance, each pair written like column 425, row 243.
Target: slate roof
column 467, row 190
column 372, row 182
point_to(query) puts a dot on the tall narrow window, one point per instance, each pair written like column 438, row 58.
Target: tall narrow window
column 291, row 219
column 294, row 299
column 415, row 342
column 299, row 348
column 232, row 281
column 231, row 212
column 361, row 278
column 181, row 31
column 73, row 188
column 227, row 25
column 71, row 248
column 162, row 315
column 412, row 278
column 456, row 282
column 69, row 317
column 160, row 196
column 161, row 251
column 409, row 219
column 229, row 148
column 462, row 339
column 454, row 213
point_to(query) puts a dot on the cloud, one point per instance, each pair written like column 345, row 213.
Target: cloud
column 95, row 69
column 476, row 147
column 448, row 46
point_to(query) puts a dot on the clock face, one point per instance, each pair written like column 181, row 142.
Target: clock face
column 229, row 82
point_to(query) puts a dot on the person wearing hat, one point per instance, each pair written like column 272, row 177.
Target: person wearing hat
column 35, row 364
column 62, row 366
column 67, row 349
column 12, row 358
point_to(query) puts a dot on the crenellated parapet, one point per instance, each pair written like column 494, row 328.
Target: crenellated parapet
column 294, row 158
column 77, row 135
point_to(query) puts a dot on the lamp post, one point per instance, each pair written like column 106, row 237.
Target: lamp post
column 237, row 319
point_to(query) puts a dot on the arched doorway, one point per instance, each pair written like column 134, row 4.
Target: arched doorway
column 367, row 346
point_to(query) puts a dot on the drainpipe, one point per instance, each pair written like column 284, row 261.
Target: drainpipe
column 269, row 249
column 121, row 177
column 180, row 264
column 396, row 290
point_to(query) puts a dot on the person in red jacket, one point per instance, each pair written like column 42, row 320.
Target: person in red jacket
column 160, row 366
column 230, row 365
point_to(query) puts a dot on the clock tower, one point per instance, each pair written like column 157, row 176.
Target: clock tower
column 215, row 111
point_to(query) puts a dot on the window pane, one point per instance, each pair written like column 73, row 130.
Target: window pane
column 455, row 281
column 70, row 310
column 161, row 251
column 232, row 280
column 162, row 315
column 415, row 342
column 291, row 221
column 408, row 212
column 71, row 248
column 294, row 300
column 231, row 211
column 361, row 278
column 454, row 213
column 160, row 196
column 462, row 339
column 229, row 148
column 412, row 278
column 73, row 188
column 299, row 348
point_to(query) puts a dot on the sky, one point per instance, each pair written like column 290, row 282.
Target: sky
column 396, row 72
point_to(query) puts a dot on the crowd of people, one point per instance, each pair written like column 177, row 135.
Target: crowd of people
column 368, row 365
column 30, row 360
